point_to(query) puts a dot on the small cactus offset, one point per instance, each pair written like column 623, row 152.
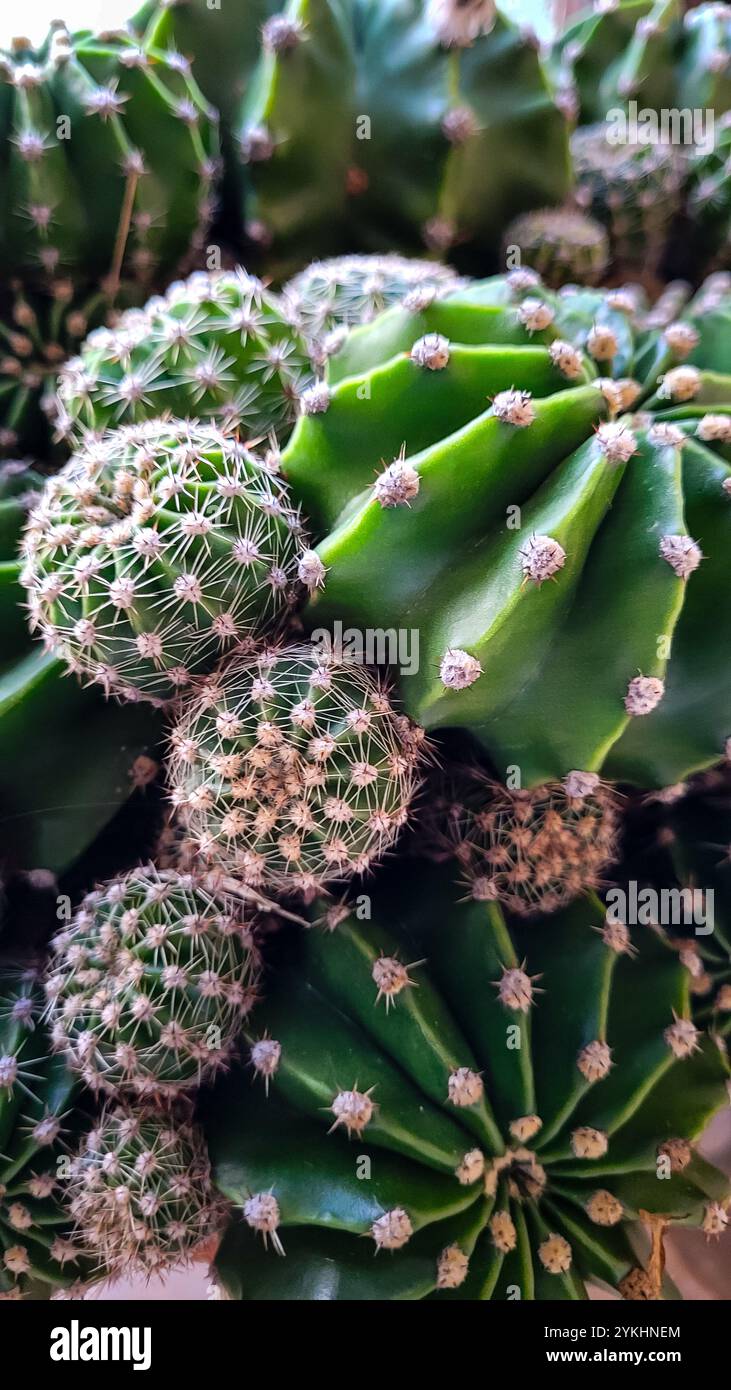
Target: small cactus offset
column 150, row 984
column 215, row 346
column 38, row 1253
column 292, row 770
column 156, row 549
column 139, row 1190
column 494, row 1171
column 564, row 246
column 350, row 290
column 111, row 158
column 511, row 467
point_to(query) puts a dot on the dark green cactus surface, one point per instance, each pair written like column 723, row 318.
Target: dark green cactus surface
column 435, row 1104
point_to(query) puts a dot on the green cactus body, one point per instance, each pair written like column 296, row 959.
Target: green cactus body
column 37, row 1093
column 562, row 245
column 292, row 769
column 470, row 1165
column 488, row 402
column 709, row 198
column 68, row 758
column 619, row 52
column 154, row 551
column 111, row 152
column 635, row 190
column 351, row 290
column 214, row 347
column 139, row 1190
column 704, row 71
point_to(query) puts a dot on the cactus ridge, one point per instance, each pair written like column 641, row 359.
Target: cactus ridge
column 491, row 1166
column 156, row 549
column 292, row 769
column 150, row 984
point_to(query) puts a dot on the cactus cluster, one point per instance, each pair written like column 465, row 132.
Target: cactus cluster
column 215, row 346
column 156, row 549
column 292, row 769
column 495, row 1169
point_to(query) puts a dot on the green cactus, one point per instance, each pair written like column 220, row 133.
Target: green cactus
column 111, row 155
column 292, row 769
column 634, row 189
column 613, row 53
column 479, row 1107
column 150, row 984
column 155, row 550
column 709, row 198
column 214, row 347
column 140, row 1192
column 350, row 290
column 68, row 758
column 514, row 463
column 564, row 246
column 37, row 1118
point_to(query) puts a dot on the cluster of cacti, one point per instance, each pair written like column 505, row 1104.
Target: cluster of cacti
column 633, row 189
column 156, row 549
column 37, row 1250
column 292, row 769
column 110, row 156
column 483, row 1112
column 539, row 461
column 216, row 346
column 563, row 245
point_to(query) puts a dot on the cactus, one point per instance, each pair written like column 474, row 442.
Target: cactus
column 351, row 290
column 150, row 984
column 155, row 550
column 562, row 245
column 140, row 1193
column 709, row 199
column 634, row 189
column 68, row 758
column 613, row 53
column 213, row 347
column 549, row 457
column 494, row 1168
column 37, row 1118
column 292, row 769
column 112, row 154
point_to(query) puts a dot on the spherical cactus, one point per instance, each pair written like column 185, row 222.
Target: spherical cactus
column 634, row 189
column 140, row 1192
column 112, row 155
column 350, row 290
column 150, row 983
column 292, row 769
column 562, row 245
column 512, row 1117
column 37, row 1120
column 154, row 550
column 513, row 466
column 216, row 347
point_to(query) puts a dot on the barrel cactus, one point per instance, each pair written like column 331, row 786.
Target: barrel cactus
column 155, row 550
column 150, row 983
column 140, row 1193
column 539, row 461
column 215, row 346
column 473, row 1104
column 112, row 155
column 38, row 1252
column 293, row 769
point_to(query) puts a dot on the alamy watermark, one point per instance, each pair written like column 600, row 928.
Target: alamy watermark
column 370, row 646
column 637, row 125
column 664, row 907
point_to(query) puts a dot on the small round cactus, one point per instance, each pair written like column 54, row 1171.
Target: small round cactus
column 633, row 189
column 215, row 346
column 292, row 769
column 154, row 550
column 140, row 1192
column 150, row 983
column 561, row 244
column 350, row 290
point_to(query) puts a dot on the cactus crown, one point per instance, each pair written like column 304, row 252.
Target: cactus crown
column 292, row 769
column 350, row 290
column 156, row 549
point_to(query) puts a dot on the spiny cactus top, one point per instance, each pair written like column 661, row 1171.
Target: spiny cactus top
column 154, row 550
column 293, row 769
column 480, row 1109
column 214, row 346
column 140, row 1192
column 37, row 1251
column 112, row 152
column 351, row 290
column 563, row 245
column 150, row 983
column 538, row 487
